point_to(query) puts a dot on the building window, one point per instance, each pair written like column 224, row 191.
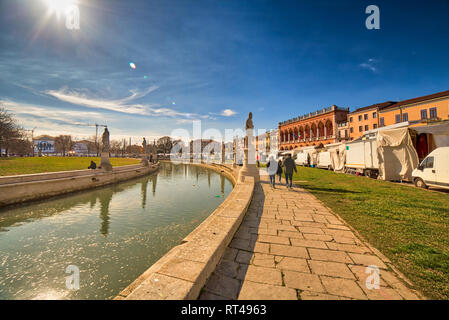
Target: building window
column 398, row 118
column 433, row 113
column 360, row 128
column 351, row 130
column 365, row 116
column 423, row 114
column 360, row 117
column 382, row 122
column 375, row 126
column 405, row 117
column 374, row 115
column 350, row 119
column 366, row 128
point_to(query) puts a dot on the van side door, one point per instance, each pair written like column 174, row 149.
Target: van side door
column 429, row 175
column 442, row 167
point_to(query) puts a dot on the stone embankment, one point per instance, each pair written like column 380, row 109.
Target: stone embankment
column 22, row 188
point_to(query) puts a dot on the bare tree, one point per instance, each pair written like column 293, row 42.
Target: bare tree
column 63, row 143
column 115, row 147
column 165, row 144
column 9, row 130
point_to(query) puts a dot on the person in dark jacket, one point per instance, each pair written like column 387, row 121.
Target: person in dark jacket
column 289, row 166
column 93, row 165
column 279, row 171
column 272, row 168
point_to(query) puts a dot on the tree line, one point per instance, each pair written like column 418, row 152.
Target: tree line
column 15, row 140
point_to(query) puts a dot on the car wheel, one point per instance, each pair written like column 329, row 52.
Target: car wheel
column 419, row 183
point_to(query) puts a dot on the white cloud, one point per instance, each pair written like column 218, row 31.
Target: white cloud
column 228, row 113
column 369, row 65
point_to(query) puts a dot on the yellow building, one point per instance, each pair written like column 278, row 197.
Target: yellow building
column 425, row 109
column 365, row 118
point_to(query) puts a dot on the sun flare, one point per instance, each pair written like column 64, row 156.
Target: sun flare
column 59, row 6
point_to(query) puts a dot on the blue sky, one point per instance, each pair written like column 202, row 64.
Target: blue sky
column 213, row 61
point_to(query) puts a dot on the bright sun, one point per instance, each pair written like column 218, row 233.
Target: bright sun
column 59, row 6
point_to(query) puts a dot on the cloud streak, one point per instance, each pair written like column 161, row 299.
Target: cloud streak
column 124, row 105
column 369, row 65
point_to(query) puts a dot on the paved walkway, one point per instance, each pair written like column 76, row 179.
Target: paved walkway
column 290, row 246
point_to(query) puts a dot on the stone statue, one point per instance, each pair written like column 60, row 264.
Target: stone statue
column 249, row 126
column 249, row 122
column 105, row 140
column 144, row 145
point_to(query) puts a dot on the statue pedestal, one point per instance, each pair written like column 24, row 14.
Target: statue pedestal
column 105, row 164
column 248, row 170
column 145, row 162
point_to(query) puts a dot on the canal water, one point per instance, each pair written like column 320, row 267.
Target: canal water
column 111, row 235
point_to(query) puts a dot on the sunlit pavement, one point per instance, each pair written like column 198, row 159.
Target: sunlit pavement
column 290, row 246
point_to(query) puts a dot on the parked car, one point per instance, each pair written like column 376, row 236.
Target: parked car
column 433, row 170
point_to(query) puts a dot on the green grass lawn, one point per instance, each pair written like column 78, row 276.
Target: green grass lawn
column 13, row 166
column 408, row 225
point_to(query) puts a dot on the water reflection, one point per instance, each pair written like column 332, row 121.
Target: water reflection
column 112, row 234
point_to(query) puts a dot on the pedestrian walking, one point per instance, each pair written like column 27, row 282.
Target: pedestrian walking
column 289, row 166
column 272, row 168
column 279, row 171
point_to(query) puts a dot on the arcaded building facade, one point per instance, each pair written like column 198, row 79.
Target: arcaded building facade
column 312, row 129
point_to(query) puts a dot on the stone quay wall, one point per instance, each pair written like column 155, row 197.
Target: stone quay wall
column 182, row 272
column 22, row 188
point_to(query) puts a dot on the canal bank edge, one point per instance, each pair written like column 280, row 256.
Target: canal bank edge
column 22, row 188
column 182, row 272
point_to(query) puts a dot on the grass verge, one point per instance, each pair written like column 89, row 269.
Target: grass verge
column 13, row 166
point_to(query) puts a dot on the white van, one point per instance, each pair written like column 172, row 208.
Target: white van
column 433, row 170
column 324, row 160
column 302, row 159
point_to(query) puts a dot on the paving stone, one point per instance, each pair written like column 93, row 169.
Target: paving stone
column 337, row 226
column 263, row 275
column 339, row 233
column 291, row 234
column 264, row 260
column 223, row 286
column 302, row 281
column 308, row 243
column 333, row 269
column 227, row 268
column 230, row 254
column 259, row 291
column 367, row 260
column 362, row 273
column 382, row 293
column 343, row 287
column 311, row 230
column 244, row 257
column 261, row 247
column 329, row 255
column 344, row 240
column 293, row 264
column 241, row 244
column 308, row 295
column 320, row 237
column 206, row 295
column 288, row 251
column 273, row 239
column 348, row 247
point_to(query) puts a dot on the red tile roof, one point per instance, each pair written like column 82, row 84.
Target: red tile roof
column 380, row 106
column 420, row 99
